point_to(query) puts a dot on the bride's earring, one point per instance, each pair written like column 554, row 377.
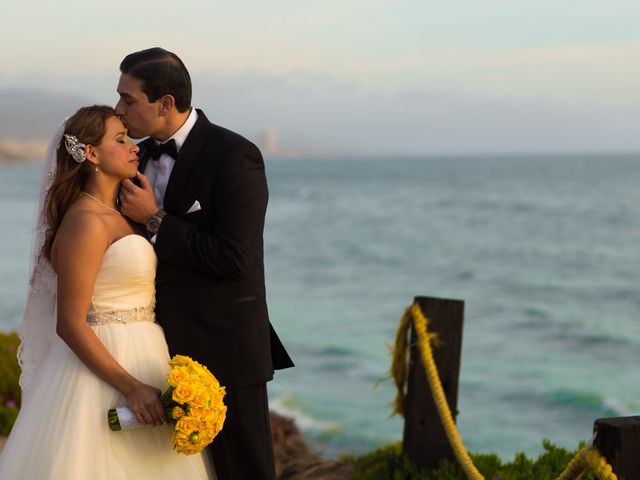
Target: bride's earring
column 97, row 171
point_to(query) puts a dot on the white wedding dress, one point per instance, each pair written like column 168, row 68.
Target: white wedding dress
column 62, row 432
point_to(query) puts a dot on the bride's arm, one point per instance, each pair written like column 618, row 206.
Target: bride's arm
column 80, row 244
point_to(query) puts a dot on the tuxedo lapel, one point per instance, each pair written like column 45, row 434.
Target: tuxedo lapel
column 184, row 163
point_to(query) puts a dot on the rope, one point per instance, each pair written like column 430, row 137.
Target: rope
column 440, row 398
column 576, row 467
column 400, row 362
column 587, row 457
column 599, row 465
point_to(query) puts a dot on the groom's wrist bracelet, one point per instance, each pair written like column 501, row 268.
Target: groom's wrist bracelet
column 153, row 223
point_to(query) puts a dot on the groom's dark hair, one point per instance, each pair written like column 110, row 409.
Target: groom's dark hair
column 162, row 73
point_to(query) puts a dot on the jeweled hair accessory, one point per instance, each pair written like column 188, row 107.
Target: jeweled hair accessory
column 75, row 148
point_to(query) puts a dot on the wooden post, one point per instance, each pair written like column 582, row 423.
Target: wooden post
column 425, row 442
column 618, row 440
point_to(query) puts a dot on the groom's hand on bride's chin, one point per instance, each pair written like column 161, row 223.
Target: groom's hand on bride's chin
column 137, row 202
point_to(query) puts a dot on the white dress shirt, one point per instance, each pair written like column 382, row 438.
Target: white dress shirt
column 159, row 171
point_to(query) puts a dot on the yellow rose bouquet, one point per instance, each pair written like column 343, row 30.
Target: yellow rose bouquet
column 193, row 404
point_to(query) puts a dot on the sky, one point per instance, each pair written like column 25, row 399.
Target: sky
column 373, row 77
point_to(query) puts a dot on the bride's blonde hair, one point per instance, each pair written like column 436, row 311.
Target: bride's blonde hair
column 88, row 125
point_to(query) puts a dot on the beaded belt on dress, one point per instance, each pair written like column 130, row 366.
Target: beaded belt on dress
column 138, row 314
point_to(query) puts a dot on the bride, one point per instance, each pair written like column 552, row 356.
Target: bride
column 94, row 345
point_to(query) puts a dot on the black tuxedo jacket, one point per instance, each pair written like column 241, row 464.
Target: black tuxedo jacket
column 210, row 292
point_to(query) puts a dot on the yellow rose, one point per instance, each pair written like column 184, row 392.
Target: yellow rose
column 187, row 425
column 221, row 418
column 179, row 438
column 197, row 369
column 202, row 437
column 210, row 428
column 197, row 412
column 217, row 396
column 188, row 450
column 179, row 360
column 202, row 441
column 177, row 413
column 208, row 375
column 211, row 415
column 201, row 399
column 176, row 375
column 195, row 381
column 183, row 393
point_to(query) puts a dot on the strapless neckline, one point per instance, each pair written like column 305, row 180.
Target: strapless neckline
column 121, row 239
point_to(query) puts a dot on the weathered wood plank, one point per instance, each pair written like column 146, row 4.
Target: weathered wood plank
column 425, row 442
column 618, row 440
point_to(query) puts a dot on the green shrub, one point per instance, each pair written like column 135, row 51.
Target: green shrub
column 390, row 464
column 10, row 393
column 7, row 419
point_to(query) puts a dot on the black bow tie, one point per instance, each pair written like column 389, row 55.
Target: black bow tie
column 157, row 150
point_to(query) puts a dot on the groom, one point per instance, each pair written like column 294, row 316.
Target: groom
column 202, row 200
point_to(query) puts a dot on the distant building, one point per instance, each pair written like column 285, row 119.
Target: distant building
column 13, row 149
column 270, row 141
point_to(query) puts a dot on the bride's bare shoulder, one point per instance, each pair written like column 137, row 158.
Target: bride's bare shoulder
column 81, row 231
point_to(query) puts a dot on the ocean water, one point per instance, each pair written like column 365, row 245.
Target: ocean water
column 545, row 252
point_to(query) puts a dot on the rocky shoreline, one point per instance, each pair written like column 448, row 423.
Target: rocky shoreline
column 295, row 460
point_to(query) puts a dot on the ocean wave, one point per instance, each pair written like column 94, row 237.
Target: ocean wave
column 576, row 339
column 574, row 334
column 600, row 405
column 290, row 405
column 339, row 351
column 619, row 408
column 536, row 312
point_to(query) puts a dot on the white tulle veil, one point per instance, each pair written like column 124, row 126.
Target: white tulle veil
column 38, row 326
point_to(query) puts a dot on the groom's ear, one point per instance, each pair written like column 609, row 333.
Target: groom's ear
column 167, row 103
